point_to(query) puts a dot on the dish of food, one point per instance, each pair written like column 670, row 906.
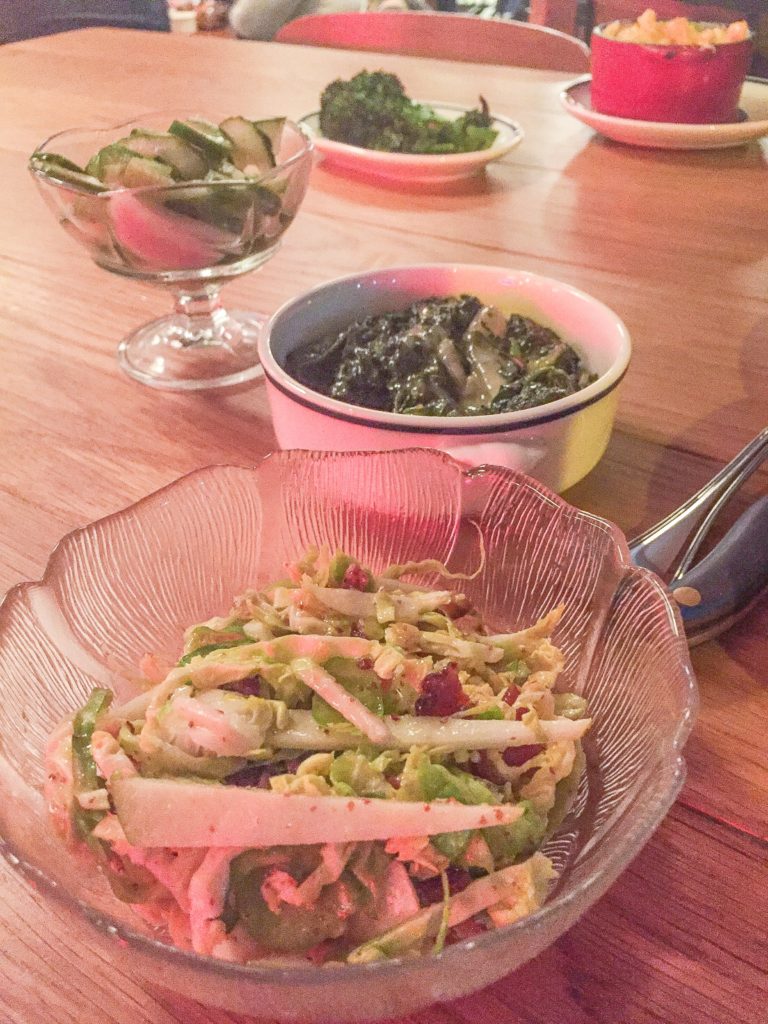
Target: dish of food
column 674, row 71
column 372, row 111
column 193, row 150
column 196, row 196
column 675, row 31
column 343, row 767
column 751, row 125
column 450, row 356
column 370, row 126
column 557, row 442
column 128, row 584
column 176, row 199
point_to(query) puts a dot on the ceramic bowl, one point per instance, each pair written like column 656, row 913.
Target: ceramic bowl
column 130, row 583
column 673, row 84
column 558, row 443
column 418, row 169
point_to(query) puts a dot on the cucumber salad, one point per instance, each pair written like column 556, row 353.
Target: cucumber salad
column 346, row 767
column 195, row 196
column 192, row 150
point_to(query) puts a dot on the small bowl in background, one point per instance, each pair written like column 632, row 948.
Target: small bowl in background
column 558, row 443
column 674, row 84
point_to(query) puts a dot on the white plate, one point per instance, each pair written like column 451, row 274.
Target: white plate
column 418, row 168
column 661, row 135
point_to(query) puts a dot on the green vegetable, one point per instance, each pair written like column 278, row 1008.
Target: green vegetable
column 207, row 137
column 372, row 111
column 251, row 149
column 511, row 843
column 423, row 780
column 85, row 774
column 361, row 683
column 62, row 169
column 353, row 774
column 452, row 844
column 443, row 929
column 294, row 927
column 441, row 357
column 493, row 714
column 187, row 162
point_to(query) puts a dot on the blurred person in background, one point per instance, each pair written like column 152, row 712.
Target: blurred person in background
column 24, row 19
column 261, row 19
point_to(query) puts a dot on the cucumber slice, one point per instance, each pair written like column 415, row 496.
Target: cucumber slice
column 205, row 136
column 57, row 160
column 250, row 148
column 62, row 170
column 273, row 129
column 109, row 163
column 188, row 163
column 142, row 171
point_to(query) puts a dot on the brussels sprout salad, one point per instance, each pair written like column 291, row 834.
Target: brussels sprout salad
column 346, row 767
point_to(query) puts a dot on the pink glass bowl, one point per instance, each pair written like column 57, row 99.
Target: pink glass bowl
column 131, row 582
column 671, row 84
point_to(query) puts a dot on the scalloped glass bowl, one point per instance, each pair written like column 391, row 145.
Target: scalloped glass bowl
column 131, row 582
column 189, row 238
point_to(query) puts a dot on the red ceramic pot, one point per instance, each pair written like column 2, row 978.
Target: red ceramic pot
column 678, row 84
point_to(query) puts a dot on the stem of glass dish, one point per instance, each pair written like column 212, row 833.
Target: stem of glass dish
column 202, row 319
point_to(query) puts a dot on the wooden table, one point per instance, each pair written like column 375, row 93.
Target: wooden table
column 677, row 243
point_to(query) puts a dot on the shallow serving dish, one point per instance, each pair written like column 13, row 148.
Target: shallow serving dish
column 129, row 583
column 752, row 122
column 558, row 443
column 419, row 168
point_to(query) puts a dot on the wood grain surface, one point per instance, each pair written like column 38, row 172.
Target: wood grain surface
column 677, row 243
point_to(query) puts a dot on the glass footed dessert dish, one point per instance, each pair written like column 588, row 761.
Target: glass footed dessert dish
column 179, row 201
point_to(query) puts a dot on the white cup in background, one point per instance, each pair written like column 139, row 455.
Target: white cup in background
column 183, row 17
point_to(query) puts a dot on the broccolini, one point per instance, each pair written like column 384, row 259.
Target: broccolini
column 372, row 111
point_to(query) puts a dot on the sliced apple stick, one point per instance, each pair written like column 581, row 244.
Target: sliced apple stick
column 170, row 812
column 304, row 733
column 347, row 705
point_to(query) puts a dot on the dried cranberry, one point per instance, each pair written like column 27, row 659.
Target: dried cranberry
column 430, row 890
column 251, row 686
column 365, row 664
column 510, row 695
column 521, row 712
column 517, row 756
column 257, row 776
column 355, row 578
column 441, row 693
column 484, row 768
column 468, row 929
column 254, row 775
column 456, row 607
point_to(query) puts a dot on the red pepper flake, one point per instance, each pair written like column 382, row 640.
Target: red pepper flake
column 366, row 801
column 313, row 807
column 427, row 807
column 211, row 829
column 498, row 814
column 351, row 805
column 483, row 820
